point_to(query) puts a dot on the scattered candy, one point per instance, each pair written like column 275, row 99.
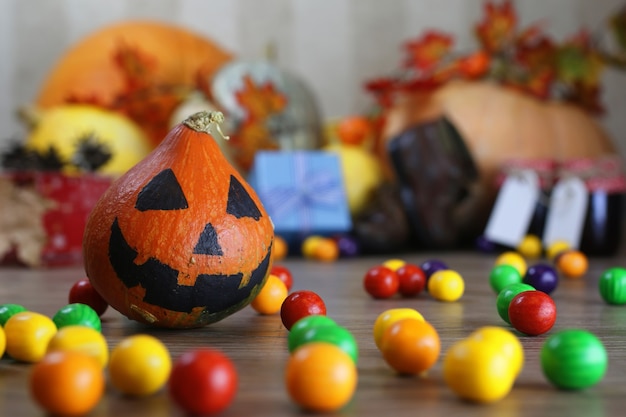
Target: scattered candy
column 348, row 246
column 67, row 383
column 388, row 317
column 572, row 263
column 140, row 365
column 381, row 282
column 83, row 292
column 431, row 266
column 530, row 247
column 503, row 275
column 326, row 250
column 3, row 341
column 532, row 312
column 77, row 314
column 515, row 259
column 412, row 280
column 506, row 295
column 542, row 277
column 81, row 339
column 309, row 244
column 555, row 248
column 410, row 346
column 394, row 264
column 270, row 298
column 280, row 248
column 479, row 370
column 305, row 323
column 320, row 377
column 28, row 334
column 300, row 304
column 612, row 286
column 446, row 285
column 508, row 343
column 573, row 359
column 330, row 333
column 284, row 274
column 203, row 381
column 8, row 310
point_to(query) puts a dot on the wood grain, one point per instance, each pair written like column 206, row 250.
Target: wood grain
column 257, row 345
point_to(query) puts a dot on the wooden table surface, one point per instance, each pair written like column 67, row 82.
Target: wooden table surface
column 257, row 345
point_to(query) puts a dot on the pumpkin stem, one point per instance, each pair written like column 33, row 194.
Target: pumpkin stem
column 204, row 121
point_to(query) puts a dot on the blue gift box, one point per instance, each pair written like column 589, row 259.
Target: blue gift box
column 302, row 191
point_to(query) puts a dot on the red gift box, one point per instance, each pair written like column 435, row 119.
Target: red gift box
column 67, row 202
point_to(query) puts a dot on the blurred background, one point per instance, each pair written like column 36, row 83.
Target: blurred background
column 333, row 45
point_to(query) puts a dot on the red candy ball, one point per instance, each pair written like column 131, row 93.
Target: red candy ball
column 300, row 304
column 283, row 274
column 83, row 292
column 412, row 280
column 203, row 381
column 381, row 282
column 532, row 312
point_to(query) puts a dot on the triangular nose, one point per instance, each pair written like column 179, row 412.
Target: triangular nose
column 207, row 243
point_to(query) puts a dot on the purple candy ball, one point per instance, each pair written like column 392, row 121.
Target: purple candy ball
column 348, row 246
column 542, row 277
column 485, row 245
column 431, row 266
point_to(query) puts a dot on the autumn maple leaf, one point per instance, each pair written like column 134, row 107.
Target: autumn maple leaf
column 578, row 63
column 136, row 66
column 260, row 101
column 427, row 51
column 497, row 30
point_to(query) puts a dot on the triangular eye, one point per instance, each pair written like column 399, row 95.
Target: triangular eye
column 240, row 204
column 208, row 244
column 163, row 192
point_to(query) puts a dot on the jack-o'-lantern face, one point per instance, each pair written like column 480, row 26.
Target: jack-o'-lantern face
column 180, row 240
column 152, row 265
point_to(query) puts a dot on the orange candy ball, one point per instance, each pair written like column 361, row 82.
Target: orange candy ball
column 67, row 383
column 320, row 377
column 271, row 297
column 572, row 263
column 411, row 346
column 280, row 248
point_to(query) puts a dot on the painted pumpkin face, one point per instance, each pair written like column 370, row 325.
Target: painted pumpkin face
column 180, row 240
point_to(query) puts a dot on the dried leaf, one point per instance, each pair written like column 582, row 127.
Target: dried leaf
column 260, row 101
column 497, row 29
column 427, row 51
column 617, row 23
column 579, row 63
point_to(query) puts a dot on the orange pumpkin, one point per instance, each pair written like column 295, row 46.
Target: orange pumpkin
column 180, row 240
column 168, row 58
column 499, row 123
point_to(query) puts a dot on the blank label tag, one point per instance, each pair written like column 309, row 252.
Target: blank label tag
column 566, row 216
column 513, row 209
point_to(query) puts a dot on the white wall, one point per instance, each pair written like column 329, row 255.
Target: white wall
column 334, row 45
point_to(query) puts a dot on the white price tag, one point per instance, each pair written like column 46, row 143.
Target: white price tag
column 566, row 215
column 513, row 209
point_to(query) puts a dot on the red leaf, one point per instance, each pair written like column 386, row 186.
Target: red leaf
column 497, row 30
column 426, row 52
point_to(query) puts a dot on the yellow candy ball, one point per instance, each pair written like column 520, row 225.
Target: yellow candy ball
column 446, row 285
column 530, row 247
column 389, row 317
column 394, row 264
column 140, row 365
column 477, row 371
column 309, row 246
column 81, row 339
column 27, row 336
column 555, row 248
column 504, row 340
column 3, row 341
column 515, row 259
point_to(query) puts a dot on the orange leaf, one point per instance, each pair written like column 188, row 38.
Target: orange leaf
column 426, row 52
column 474, row 65
column 497, row 30
column 260, row 101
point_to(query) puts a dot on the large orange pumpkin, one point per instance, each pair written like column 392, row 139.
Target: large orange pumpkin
column 499, row 124
column 180, row 240
column 88, row 69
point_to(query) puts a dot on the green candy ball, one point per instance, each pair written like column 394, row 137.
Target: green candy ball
column 612, row 285
column 8, row 310
column 502, row 276
column 304, row 324
column 335, row 334
column 506, row 295
column 77, row 314
column 573, row 359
